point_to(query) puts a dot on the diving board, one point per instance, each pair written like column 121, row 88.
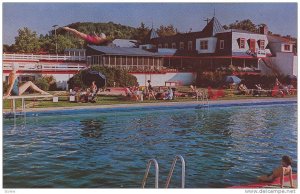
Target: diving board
column 14, row 98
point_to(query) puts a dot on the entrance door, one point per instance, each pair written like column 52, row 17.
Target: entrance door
column 252, row 45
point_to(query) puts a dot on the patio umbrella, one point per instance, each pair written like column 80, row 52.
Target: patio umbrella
column 291, row 79
column 96, row 76
column 232, row 79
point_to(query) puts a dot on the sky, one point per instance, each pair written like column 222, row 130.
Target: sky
column 281, row 18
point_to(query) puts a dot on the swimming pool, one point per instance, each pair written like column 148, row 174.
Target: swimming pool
column 222, row 146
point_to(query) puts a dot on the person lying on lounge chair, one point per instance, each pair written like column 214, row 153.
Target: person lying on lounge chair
column 14, row 89
column 243, row 89
column 259, row 90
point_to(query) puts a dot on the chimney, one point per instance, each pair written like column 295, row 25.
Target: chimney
column 263, row 29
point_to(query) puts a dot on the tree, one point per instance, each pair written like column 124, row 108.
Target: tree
column 27, row 41
column 7, row 48
column 64, row 42
column 243, row 25
column 42, row 83
column 166, row 30
column 141, row 33
column 120, row 76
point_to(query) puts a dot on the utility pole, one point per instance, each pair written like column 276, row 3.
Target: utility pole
column 54, row 26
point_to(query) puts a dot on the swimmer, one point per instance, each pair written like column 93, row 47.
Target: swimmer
column 14, row 89
column 281, row 171
column 92, row 39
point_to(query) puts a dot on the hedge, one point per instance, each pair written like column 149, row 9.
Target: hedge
column 121, row 77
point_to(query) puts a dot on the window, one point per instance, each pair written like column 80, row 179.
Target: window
column 181, row 45
column 221, row 44
column 190, row 45
column 242, row 43
column 159, row 46
column 262, row 45
column 204, row 45
column 173, row 45
column 166, row 45
column 287, row 47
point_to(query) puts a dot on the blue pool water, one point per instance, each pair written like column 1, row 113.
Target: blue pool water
column 222, row 146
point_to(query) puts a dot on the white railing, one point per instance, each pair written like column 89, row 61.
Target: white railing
column 42, row 57
column 46, row 67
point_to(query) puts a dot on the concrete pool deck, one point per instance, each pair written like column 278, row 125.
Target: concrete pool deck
column 169, row 104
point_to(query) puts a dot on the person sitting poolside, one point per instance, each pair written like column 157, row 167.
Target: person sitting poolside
column 284, row 169
column 90, row 38
column 93, row 92
column 150, row 91
column 14, row 89
column 194, row 92
column 131, row 93
column 169, row 94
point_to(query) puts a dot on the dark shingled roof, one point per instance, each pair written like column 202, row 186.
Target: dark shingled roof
column 121, row 51
column 213, row 27
column 278, row 39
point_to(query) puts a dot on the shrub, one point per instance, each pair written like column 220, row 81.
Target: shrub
column 5, row 87
column 216, row 79
column 120, row 76
column 52, row 82
column 42, row 83
column 212, row 79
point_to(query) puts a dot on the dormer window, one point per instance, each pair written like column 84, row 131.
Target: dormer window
column 261, row 44
column 166, row 45
column 190, row 45
column 242, row 43
column 204, row 44
column 173, row 45
column 221, row 44
column 181, row 45
column 287, row 47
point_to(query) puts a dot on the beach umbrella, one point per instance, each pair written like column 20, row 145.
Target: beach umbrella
column 232, row 79
column 96, row 76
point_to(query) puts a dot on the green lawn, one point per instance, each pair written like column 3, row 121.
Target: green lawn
column 105, row 100
column 109, row 100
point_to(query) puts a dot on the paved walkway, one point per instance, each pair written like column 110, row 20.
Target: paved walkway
column 166, row 104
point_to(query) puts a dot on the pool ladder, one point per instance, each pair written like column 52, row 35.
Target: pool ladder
column 203, row 97
column 170, row 173
column 147, row 172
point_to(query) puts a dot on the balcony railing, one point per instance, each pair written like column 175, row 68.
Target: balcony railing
column 33, row 57
column 46, row 67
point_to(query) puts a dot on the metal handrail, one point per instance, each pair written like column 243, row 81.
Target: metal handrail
column 203, row 97
column 182, row 171
column 147, row 172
